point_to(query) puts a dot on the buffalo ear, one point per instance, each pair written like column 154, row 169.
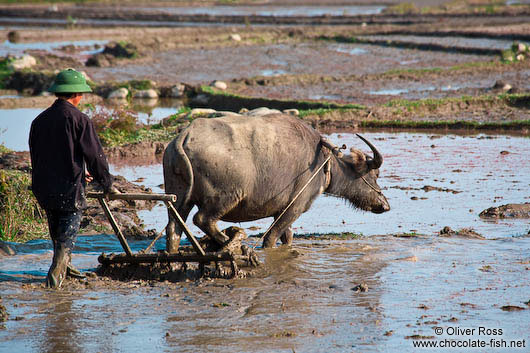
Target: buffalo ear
column 358, row 159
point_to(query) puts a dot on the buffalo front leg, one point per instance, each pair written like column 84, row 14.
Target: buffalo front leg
column 283, row 228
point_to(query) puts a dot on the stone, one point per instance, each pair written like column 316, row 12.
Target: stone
column 120, row 93
column 262, row 111
column 200, row 111
column 13, row 36
column 87, row 78
column 226, row 113
column 235, row 37
column 121, row 50
column 219, row 85
column 501, row 85
column 510, row 210
column 146, row 94
column 201, row 99
column 294, row 112
column 25, row 62
column 177, row 91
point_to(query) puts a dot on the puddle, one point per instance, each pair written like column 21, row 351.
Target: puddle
column 273, row 72
column 390, row 92
column 416, row 89
column 485, row 43
column 9, row 96
column 270, row 10
column 349, row 50
column 15, row 125
column 329, row 97
column 8, row 48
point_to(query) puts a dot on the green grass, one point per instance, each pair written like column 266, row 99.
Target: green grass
column 324, row 111
column 112, row 137
column 433, row 103
column 5, row 71
column 452, row 124
column 120, row 127
column 21, row 218
column 307, row 107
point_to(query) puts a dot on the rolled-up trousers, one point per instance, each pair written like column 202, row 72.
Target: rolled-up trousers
column 63, row 227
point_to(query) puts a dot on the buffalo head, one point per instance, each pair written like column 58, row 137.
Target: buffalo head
column 354, row 178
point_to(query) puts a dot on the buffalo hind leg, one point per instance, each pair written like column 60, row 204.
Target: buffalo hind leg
column 209, row 226
column 173, row 230
column 287, row 237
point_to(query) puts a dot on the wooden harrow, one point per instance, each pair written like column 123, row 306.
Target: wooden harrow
column 200, row 256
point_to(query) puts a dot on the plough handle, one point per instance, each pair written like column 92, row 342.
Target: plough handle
column 130, row 197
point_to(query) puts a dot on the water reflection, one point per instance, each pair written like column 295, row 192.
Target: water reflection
column 9, row 48
column 15, row 125
column 60, row 327
column 271, row 10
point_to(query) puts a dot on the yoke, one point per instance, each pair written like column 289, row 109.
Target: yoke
column 200, row 256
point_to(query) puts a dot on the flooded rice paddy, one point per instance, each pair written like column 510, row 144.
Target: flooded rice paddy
column 256, row 10
column 17, row 49
column 308, row 299
column 449, row 41
column 311, row 58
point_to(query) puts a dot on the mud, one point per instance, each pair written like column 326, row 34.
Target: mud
column 507, row 211
column 309, row 301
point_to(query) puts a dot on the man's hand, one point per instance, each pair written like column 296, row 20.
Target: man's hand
column 88, row 176
column 110, row 191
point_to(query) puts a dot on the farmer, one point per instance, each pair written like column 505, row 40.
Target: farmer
column 62, row 140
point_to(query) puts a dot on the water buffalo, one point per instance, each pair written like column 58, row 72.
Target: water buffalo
column 239, row 169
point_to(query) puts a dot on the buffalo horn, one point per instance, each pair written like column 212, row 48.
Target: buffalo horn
column 336, row 151
column 375, row 162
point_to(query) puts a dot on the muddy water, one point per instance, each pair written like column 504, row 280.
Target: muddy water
column 448, row 41
column 15, row 125
column 268, row 10
column 304, row 299
column 19, row 48
column 299, row 302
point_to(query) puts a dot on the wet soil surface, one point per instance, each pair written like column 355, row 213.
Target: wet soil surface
column 295, row 63
column 336, row 296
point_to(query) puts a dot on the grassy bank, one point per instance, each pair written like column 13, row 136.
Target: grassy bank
column 119, row 127
column 21, row 218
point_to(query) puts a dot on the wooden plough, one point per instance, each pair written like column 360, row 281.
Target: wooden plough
column 200, row 256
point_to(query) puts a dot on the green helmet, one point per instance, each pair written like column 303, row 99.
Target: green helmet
column 70, row 81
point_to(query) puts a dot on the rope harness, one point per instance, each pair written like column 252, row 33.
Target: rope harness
column 332, row 150
column 328, row 180
column 371, row 186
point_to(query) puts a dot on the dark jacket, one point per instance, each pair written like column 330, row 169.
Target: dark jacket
column 61, row 140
